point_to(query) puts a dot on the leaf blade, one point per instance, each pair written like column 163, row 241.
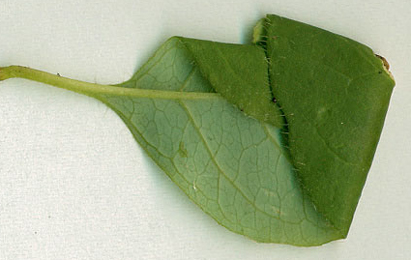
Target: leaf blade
column 216, row 150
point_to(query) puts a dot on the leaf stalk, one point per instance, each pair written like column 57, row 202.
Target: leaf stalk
column 93, row 89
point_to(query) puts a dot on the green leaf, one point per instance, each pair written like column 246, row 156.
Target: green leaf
column 273, row 140
column 334, row 93
column 231, row 165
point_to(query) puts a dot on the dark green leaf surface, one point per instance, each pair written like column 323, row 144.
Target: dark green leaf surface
column 334, row 93
column 240, row 74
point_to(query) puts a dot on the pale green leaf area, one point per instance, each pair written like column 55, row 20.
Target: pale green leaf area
column 273, row 139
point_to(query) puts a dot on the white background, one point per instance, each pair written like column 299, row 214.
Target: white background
column 75, row 185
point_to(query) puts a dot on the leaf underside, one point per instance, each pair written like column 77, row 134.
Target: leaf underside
column 287, row 172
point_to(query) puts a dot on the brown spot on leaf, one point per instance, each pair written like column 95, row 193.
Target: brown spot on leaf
column 384, row 61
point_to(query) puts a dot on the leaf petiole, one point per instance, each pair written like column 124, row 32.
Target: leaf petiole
column 92, row 89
